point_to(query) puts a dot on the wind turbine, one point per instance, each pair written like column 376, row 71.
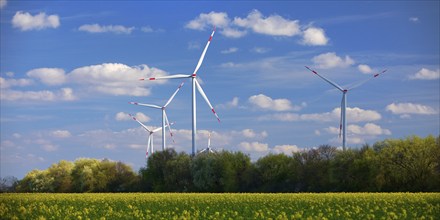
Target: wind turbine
column 195, row 84
column 343, row 121
column 164, row 114
column 150, row 147
column 208, row 149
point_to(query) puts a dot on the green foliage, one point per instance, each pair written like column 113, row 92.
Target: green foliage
column 83, row 175
column 405, row 165
column 221, row 206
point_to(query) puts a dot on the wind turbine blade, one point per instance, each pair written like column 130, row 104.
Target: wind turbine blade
column 145, row 127
column 203, row 53
column 209, row 140
column 174, row 94
column 156, row 130
column 169, row 126
column 177, row 76
column 202, row 151
column 147, row 105
column 327, row 80
column 364, row 81
column 206, row 99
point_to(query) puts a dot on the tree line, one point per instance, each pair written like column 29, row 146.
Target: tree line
column 410, row 165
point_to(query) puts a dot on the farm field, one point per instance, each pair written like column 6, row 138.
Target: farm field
column 220, row 206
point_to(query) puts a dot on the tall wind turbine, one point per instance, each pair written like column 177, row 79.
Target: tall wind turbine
column 343, row 121
column 150, row 147
column 195, row 84
column 164, row 114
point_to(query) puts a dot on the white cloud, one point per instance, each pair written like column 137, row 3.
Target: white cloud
column 331, row 60
column 49, row 76
column 285, row 149
column 229, row 50
column 253, row 146
column 122, row 116
column 410, row 108
column 3, row 3
column 414, row 19
column 426, row 74
column 96, row 28
column 233, row 32
column 65, row 94
column 260, row 50
column 228, row 105
column 26, row 22
column 115, row 78
column 8, row 83
column 255, row 21
column 353, row 115
column 369, row 129
column 217, row 19
column 61, row 133
column 264, row 102
column 249, row 133
column 365, row 68
column 273, row 25
column 148, row 29
column 314, row 36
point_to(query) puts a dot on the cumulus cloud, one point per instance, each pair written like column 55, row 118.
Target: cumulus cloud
column 231, row 104
column 353, row 115
column 331, row 60
column 26, row 22
column 233, row 32
column 414, row 19
column 115, row 78
column 260, row 50
column 8, row 83
column 285, row 149
column 369, row 129
column 256, row 22
column 48, row 76
column 217, row 19
column 64, row 94
column 96, row 28
column 229, row 50
column 314, row 36
column 253, row 147
column 273, row 25
column 249, row 133
column 264, row 102
column 410, row 108
column 426, row 74
column 61, row 133
column 122, row 116
column 365, row 68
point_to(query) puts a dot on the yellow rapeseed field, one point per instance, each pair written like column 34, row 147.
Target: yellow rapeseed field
column 221, row 206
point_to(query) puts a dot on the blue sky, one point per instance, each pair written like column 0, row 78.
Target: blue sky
column 69, row 68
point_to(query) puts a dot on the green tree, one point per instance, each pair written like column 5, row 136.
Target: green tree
column 275, row 173
column 61, row 174
column 177, row 174
column 410, row 164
